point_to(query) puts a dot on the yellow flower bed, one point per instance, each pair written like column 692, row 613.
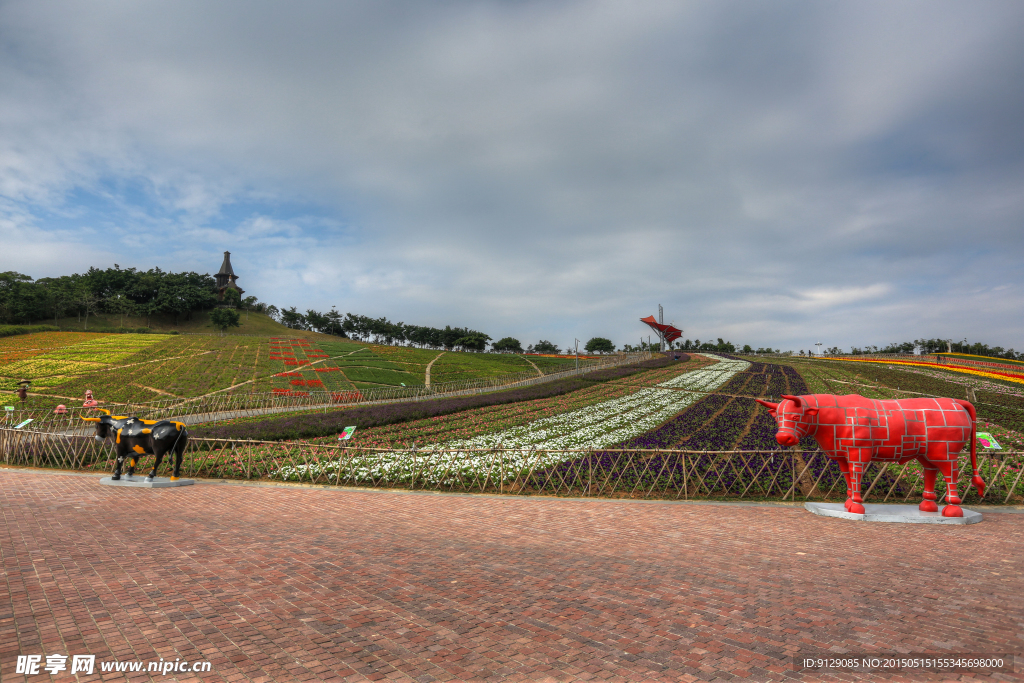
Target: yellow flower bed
column 1006, row 377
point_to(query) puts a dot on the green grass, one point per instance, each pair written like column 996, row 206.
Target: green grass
column 153, row 367
column 550, row 365
column 363, row 377
column 453, row 367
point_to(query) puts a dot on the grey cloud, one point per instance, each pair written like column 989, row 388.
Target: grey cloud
column 550, row 169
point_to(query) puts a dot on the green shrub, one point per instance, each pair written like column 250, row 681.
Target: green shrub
column 11, row 330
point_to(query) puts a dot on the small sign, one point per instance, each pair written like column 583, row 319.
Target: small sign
column 346, row 434
column 988, row 441
column 9, row 407
column 19, row 426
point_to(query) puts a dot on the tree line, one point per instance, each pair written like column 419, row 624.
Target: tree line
column 127, row 292
column 383, row 331
column 929, row 346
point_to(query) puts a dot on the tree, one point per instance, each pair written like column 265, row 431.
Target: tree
column 334, row 324
column 293, row 319
column 122, row 305
column 599, row 345
column 507, row 345
column 224, row 318
column 474, row 341
column 250, row 303
column 232, row 298
column 88, row 301
column 544, row 346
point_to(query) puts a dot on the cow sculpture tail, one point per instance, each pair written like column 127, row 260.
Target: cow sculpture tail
column 976, row 480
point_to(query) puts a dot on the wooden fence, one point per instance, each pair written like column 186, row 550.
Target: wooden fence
column 645, row 474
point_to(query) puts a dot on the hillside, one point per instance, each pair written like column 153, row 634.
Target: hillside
column 251, row 324
column 144, row 368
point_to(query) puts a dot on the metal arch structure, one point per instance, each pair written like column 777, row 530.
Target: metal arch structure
column 666, row 333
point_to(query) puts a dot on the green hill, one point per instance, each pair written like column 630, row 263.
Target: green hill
column 151, row 367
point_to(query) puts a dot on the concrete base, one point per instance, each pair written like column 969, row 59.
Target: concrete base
column 140, row 482
column 905, row 514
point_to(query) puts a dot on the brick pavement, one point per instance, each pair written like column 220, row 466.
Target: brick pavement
column 303, row 584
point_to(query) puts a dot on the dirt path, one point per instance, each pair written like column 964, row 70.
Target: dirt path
column 534, row 366
column 426, row 381
column 156, row 391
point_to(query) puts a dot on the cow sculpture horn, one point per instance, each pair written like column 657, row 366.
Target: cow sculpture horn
column 103, row 410
column 794, row 399
column 770, row 406
column 91, row 419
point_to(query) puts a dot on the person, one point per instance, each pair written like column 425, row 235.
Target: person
column 23, row 389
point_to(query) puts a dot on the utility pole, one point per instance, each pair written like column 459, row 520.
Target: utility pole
column 577, row 354
column 661, row 321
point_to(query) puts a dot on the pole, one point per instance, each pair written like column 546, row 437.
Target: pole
column 577, row 354
column 661, row 333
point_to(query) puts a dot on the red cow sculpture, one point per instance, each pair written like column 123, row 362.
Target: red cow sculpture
column 854, row 431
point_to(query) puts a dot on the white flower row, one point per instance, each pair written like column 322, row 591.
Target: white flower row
column 593, row 427
column 603, row 424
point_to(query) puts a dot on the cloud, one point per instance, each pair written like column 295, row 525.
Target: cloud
column 772, row 171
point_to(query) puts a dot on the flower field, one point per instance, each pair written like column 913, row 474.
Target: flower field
column 599, row 423
column 53, row 364
column 434, row 420
column 142, row 368
column 997, row 402
column 659, row 429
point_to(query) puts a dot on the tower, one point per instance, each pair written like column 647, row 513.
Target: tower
column 226, row 278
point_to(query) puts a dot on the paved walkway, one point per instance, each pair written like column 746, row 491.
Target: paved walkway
column 297, row 584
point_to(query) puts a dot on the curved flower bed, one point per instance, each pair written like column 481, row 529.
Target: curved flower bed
column 594, row 426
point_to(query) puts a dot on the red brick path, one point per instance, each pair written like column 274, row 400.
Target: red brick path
column 295, row 584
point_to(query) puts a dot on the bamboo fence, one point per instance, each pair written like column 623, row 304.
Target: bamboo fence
column 642, row 474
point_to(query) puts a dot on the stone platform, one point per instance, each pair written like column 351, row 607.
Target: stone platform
column 905, row 514
column 140, row 482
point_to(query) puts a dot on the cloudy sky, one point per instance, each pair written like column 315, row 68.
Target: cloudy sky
column 774, row 173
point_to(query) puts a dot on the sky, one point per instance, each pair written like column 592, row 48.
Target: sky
column 772, row 173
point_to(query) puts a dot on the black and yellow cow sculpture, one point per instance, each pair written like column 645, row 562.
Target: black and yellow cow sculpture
column 135, row 437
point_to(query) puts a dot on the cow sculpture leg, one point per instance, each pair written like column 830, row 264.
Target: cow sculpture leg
column 928, row 504
column 844, row 467
column 156, row 465
column 119, row 465
column 858, row 464
column 951, row 472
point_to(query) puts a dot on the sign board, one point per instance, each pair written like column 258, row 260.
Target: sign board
column 19, row 426
column 9, row 407
column 986, row 440
column 346, row 434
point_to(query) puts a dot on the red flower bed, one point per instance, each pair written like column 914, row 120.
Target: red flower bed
column 288, row 374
